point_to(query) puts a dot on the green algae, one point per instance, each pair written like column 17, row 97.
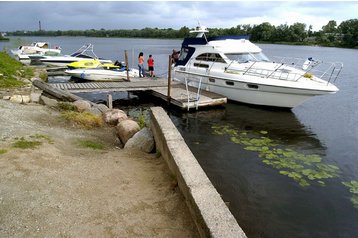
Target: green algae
column 353, row 188
column 303, row 169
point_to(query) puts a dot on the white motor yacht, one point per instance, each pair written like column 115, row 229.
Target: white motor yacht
column 236, row 68
column 83, row 53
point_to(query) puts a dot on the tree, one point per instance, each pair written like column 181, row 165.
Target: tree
column 297, row 32
column 349, row 29
column 331, row 27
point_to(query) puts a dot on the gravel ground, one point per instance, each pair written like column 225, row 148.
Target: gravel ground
column 61, row 189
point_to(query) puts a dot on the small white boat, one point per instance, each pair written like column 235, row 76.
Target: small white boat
column 102, row 74
column 236, row 68
column 83, row 53
column 24, row 52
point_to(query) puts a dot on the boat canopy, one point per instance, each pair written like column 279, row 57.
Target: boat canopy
column 235, row 46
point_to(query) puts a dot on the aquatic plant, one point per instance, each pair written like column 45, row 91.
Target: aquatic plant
column 353, row 188
column 304, row 169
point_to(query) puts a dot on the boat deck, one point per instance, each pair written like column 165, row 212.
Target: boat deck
column 158, row 87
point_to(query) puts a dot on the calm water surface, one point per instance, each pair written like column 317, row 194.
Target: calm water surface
column 265, row 202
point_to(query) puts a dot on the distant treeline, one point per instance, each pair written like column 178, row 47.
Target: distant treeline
column 342, row 35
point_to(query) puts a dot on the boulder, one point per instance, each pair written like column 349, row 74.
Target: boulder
column 126, row 129
column 142, row 140
column 82, row 105
column 114, row 116
column 35, row 97
column 7, row 97
column 16, row 98
column 25, row 98
column 103, row 108
column 48, row 101
column 95, row 111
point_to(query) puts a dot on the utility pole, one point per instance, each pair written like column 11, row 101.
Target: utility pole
column 39, row 25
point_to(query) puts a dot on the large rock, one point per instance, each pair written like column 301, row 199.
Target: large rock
column 114, row 116
column 95, row 111
column 82, row 105
column 25, row 98
column 142, row 140
column 103, row 108
column 35, row 97
column 126, row 129
column 48, row 101
column 16, row 98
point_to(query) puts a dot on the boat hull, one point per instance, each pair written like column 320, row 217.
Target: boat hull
column 252, row 93
column 64, row 61
column 101, row 74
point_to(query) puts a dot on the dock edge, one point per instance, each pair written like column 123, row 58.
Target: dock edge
column 211, row 215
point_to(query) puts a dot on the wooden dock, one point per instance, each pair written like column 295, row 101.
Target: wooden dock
column 179, row 96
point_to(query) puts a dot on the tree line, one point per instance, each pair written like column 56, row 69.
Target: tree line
column 342, row 35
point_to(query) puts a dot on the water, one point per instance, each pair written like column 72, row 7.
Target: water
column 265, row 202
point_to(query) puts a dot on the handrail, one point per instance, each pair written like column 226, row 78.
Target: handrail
column 327, row 71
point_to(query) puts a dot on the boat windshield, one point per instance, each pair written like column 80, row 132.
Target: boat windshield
column 247, row 57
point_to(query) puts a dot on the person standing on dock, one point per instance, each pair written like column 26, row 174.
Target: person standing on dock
column 141, row 64
column 150, row 62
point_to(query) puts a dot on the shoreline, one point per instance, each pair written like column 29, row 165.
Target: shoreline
column 63, row 189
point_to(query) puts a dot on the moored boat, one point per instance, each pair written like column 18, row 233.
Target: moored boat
column 92, row 63
column 37, row 49
column 102, row 74
column 83, row 53
column 236, row 68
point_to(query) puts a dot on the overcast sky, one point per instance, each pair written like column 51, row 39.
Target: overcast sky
column 81, row 15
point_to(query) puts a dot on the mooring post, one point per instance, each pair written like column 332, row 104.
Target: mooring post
column 109, row 101
column 169, row 78
column 126, row 59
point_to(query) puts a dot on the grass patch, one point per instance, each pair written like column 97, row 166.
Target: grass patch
column 65, row 106
column 43, row 76
column 2, row 151
column 92, row 145
column 43, row 137
column 26, row 144
column 83, row 119
column 9, row 68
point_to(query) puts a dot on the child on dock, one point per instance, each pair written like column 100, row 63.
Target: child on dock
column 150, row 62
column 141, row 64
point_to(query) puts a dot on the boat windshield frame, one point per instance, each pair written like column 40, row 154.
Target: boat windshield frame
column 247, row 57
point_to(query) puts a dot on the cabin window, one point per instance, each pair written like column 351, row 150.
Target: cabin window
column 201, row 65
column 210, row 57
column 253, row 86
column 212, row 80
column 230, row 83
column 248, row 57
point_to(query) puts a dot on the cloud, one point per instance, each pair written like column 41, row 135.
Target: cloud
column 83, row 15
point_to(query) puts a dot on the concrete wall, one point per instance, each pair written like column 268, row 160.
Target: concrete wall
column 211, row 215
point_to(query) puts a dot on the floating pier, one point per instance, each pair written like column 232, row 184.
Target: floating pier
column 179, row 95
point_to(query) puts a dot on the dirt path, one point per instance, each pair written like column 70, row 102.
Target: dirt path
column 62, row 189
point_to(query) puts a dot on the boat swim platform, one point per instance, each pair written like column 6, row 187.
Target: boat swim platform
column 157, row 87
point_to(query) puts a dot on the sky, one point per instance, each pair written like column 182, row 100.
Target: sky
column 82, row 15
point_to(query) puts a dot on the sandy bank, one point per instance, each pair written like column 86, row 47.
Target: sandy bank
column 61, row 189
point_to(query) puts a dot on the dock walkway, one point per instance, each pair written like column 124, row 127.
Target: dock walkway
column 179, row 96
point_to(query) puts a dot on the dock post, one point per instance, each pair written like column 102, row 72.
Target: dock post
column 126, row 59
column 169, row 78
column 109, row 101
